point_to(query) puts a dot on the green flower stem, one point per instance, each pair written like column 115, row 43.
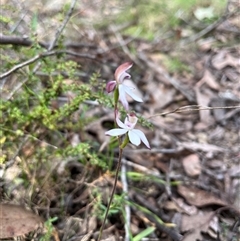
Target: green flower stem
column 125, row 142
column 116, row 97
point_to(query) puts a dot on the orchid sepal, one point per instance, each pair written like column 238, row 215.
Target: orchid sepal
column 120, row 73
column 140, row 137
column 111, row 85
column 134, row 136
column 116, row 132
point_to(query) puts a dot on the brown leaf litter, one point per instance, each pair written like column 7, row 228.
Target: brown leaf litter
column 17, row 221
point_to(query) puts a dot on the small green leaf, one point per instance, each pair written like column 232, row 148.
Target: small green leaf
column 34, row 22
column 144, row 233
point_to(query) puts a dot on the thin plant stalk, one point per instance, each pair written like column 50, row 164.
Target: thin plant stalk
column 116, row 177
column 113, row 190
column 132, row 135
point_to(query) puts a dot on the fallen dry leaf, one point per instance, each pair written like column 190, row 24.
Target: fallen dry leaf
column 170, row 205
column 203, row 99
column 216, row 164
column 198, row 197
column 188, row 209
column 224, row 59
column 178, row 204
column 219, row 114
column 17, row 221
column 231, row 74
column 206, row 44
column 214, row 227
column 160, row 95
column 196, row 224
column 195, row 146
column 210, row 80
column 191, row 164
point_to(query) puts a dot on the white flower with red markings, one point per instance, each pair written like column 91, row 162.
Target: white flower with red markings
column 135, row 136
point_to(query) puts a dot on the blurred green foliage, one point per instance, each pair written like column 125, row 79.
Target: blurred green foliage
column 152, row 19
column 34, row 110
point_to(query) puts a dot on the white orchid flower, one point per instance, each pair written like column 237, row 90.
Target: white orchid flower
column 120, row 75
column 135, row 136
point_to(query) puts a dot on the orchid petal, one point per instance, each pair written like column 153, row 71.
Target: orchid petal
column 123, row 76
column 121, row 71
column 129, row 91
column 111, row 86
column 143, row 138
column 116, row 132
column 134, row 138
column 122, row 97
column 120, row 123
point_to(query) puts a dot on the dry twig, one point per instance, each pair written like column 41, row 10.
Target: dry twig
column 26, row 42
column 189, row 108
column 49, row 50
column 127, row 208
